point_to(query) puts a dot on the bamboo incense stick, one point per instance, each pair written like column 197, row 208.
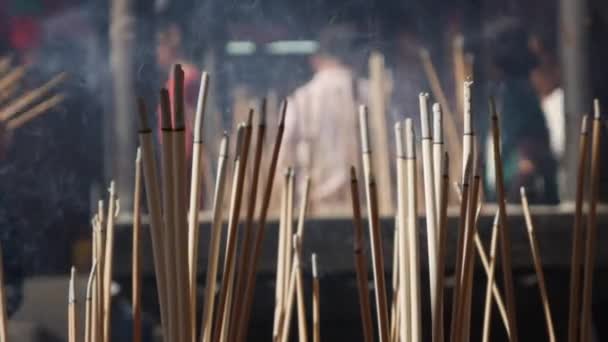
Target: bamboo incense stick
column 438, row 330
column 97, row 315
column 88, row 311
column 153, row 199
column 195, row 196
column 286, row 320
column 468, row 138
column 591, row 242
column 3, row 308
column 487, row 311
column 280, row 277
column 374, row 227
column 395, row 275
column 221, row 324
column 438, row 154
column 577, row 236
column 136, row 252
column 412, row 233
column 180, row 224
column 504, row 237
column 360, row 260
column 429, row 197
column 35, row 111
column 214, row 241
column 316, row 301
column 20, row 103
column 538, row 266
column 169, row 216
column 301, row 303
column 402, row 236
column 288, row 236
column 72, row 318
column 259, row 238
column 108, row 263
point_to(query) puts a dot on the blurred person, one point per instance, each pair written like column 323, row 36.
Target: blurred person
column 525, row 141
column 321, row 122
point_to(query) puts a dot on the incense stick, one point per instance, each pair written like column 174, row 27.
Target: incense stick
column 505, row 239
column 136, row 252
column 438, row 155
column 108, row 263
column 590, row 244
column 360, row 260
column 214, row 241
column 374, row 227
column 3, row 309
column 538, row 266
column 286, row 320
column 35, row 112
column 316, row 301
column 20, row 103
column 395, row 275
column 301, row 303
column 72, row 319
column 288, row 247
column 195, row 196
column 438, row 330
column 577, row 236
column 259, row 238
column 487, row 311
column 12, row 77
column 88, row 311
column 402, row 237
column 280, row 285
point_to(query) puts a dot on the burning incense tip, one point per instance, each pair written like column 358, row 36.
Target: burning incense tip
column 363, row 123
column 315, row 274
column 410, row 144
column 425, row 130
column 165, row 110
column 596, row 108
column 399, row 140
column 138, row 155
column 437, row 124
column 72, row 292
column 584, row 124
column 200, row 107
column 224, row 145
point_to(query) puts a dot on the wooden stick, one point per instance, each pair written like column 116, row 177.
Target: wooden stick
column 468, row 138
column 402, row 237
column 590, row 244
column 394, row 300
column 195, row 196
column 72, row 318
column 429, row 198
column 412, row 232
column 374, row 228
column 88, row 311
column 35, row 112
column 487, row 311
column 286, row 320
column 438, row 330
column 288, row 236
column 12, row 77
column 169, row 216
column 360, row 260
column 301, row 303
column 3, row 309
column 235, row 209
column 251, row 205
column 108, row 263
column 97, row 307
column 316, row 302
column 214, row 241
column 180, row 216
column 136, row 256
column 20, row 103
column 577, row 236
column 438, row 154
column 259, row 238
column 280, row 285
column 538, row 266
column 153, row 199
column 504, row 237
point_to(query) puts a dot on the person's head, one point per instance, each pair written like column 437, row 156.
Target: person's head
column 169, row 38
column 507, row 43
column 336, row 44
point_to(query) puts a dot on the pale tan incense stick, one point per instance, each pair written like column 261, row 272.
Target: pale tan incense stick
column 412, row 233
column 180, row 216
column 12, row 77
column 402, row 236
column 301, row 303
column 136, row 252
column 374, row 227
column 303, row 208
column 168, row 212
column 377, row 108
column 538, row 266
column 360, row 260
column 153, row 199
column 464, row 201
column 97, row 316
column 442, row 220
column 395, row 276
column 504, row 237
column 108, row 263
column 72, row 318
column 3, row 309
column 487, row 311
column 195, row 196
column 286, row 319
column 577, row 236
column 288, row 236
column 438, row 154
column 214, row 241
column 20, row 103
column 88, row 311
column 251, row 205
column 235, row 206
column 35, row 111
column 429, row 196
column 259, row 238
column 591, row 242
column 280, row 277
column 316, row 301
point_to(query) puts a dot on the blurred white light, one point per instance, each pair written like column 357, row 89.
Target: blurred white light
column 240, row 47
column 287, row 47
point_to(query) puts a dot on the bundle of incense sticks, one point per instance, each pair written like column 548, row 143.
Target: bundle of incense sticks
column 175, row 234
